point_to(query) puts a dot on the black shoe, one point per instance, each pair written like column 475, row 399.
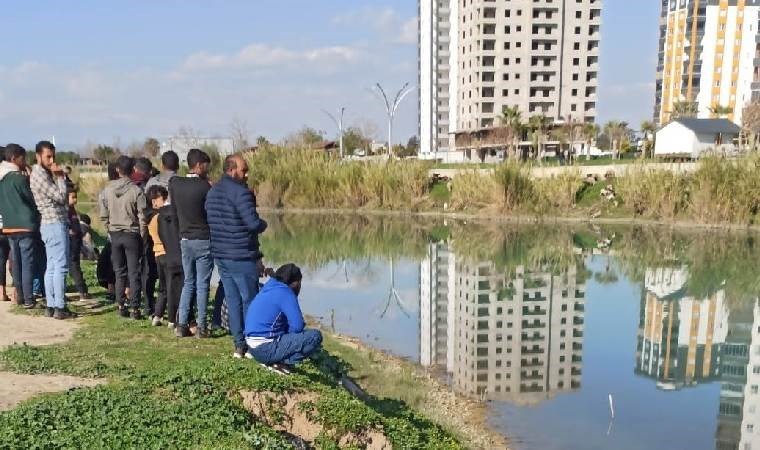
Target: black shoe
column 182, row 331
column 201, row 333
column 123, row 311
column 241, row 352
column 136, row 315
column 49, row 312
column 30, row 305
column 61, row 314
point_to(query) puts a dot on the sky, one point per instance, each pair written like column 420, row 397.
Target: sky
column 89, row 72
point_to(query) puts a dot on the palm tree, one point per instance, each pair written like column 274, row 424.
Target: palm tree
column 617, row 131
column 511, row 120
column 539, row 124
column 590, row 132
column 720, row 110
column 683, row 109
column 648, row 128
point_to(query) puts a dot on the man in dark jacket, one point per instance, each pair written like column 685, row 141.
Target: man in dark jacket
column 235, row 226
column 21, row 221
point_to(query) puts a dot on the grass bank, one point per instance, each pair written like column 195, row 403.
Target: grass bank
column 164, row 392
column 720, row 191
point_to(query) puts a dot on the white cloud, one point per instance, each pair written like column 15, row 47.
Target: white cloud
column 385, row 21
column 408, row 34
column 263, row 56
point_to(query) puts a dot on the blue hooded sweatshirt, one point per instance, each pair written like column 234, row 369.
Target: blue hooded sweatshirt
column 274, row 312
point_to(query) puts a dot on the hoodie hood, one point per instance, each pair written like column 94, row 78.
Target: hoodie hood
column 121, row 186
column 6, row 168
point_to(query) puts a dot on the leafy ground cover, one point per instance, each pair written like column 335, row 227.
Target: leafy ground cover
column 164, row 392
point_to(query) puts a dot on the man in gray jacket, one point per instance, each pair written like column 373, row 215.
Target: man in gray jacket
column 123, row 213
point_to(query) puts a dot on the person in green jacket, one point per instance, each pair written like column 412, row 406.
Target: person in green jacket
column 20, row 220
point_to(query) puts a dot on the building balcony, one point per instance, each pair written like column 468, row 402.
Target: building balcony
column 531, row 377
column 533, row 351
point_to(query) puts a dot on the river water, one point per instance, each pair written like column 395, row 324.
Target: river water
column 578, row 337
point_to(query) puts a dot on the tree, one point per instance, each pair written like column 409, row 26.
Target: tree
column 751, row 122
column 683, row 109
column 590, row 132
column 511, row 120
column 617, row 132
column 720, row 111
column 262, row 142
column 413, row 145
column 239, row 130
column 104, row 153
column 648, row 128
column 305, row 138
column 151, row 147
column 354, row 139
column 539, row 124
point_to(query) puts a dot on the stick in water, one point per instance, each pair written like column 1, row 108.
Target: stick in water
column 612, row 408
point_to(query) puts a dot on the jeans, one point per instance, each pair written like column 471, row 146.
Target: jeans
column 169, row 289
column 40, row 266
column 75, row 267
column 241, row 284
column 126, row 250
column 197, row 266
column 290, row 348
column 149, row 277
column 22, row 265
column 55, row 236
column 5, row 251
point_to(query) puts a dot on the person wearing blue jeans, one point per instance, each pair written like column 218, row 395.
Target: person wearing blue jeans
column 48, row 184
column 234, row 227
column 188, row 195
column 274, row 325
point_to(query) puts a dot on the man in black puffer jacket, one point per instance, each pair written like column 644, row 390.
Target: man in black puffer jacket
column 234, row 227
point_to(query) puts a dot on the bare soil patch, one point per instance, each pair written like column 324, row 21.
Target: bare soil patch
column 15, row 388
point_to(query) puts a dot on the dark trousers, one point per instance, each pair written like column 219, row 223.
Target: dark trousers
column 126, row 252
column 290, row 349
column 5, row 251
column 75, row 266
column 149, row 277
column 22, row 252
column 170, row 282
column 216, row 315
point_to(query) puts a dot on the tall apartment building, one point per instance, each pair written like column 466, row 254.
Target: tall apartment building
column 479, row 56
column 709, row 54
column 507, row 336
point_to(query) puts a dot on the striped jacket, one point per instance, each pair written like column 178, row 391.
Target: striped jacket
column 50, row 195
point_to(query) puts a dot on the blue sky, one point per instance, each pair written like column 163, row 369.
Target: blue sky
column 115, row 72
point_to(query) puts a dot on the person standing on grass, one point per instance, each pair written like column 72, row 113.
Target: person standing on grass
column 76, row 236
column 123, row 213
column 170, row 265
column 169, row 168
column 140, row 176
column 274, row 325
column 48, row 183
column 188, row 195
column 235, row 227
column 21, row 221
column 166, row 285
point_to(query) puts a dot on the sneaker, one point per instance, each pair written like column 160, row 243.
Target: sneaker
column 30, row 305
column 182, row 331
column 123, row 311
column 49, row 312
column 201, row 333
column 241, row 352
column 61, row 314
column 156, row 322
column 282, row 368
column 136, row 315
column 171, row 325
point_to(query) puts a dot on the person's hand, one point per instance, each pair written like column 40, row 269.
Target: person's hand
column 269, row 272
column 57, row 170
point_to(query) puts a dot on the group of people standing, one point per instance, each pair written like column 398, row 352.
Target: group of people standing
column 167, row 229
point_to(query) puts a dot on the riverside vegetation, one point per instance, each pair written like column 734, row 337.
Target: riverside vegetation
column 720, row 191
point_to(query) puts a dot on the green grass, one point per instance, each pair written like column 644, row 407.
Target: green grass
column 165, row 392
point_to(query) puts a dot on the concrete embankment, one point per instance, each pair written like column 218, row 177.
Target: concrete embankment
column 599, row 171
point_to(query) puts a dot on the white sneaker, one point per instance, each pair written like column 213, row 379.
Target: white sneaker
column 156, row 321
column 171, row 325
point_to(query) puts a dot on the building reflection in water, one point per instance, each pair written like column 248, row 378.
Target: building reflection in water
column 684, row 341
column 511, row 335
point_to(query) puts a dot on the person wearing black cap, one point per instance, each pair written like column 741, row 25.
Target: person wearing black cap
column 274, row 325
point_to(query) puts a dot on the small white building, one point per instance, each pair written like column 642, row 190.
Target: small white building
column 182, row 145
column 692, row 138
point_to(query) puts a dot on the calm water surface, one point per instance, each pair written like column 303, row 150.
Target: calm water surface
column 547, row 323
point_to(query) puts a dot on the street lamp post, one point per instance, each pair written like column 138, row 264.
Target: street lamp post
column 391, row 107
column 338, row 123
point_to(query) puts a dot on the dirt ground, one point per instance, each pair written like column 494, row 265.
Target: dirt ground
column 39, row 330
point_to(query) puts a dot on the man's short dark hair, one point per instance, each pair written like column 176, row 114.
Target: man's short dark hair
column 230, row 162
column 85, row 218
column 157, row 191
column 42, row 145
column 113, row 174
column 195, row 157
column 13, row 151
column 287, row 274
column 125, row 165
column 144, row 165
column 170, row 161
